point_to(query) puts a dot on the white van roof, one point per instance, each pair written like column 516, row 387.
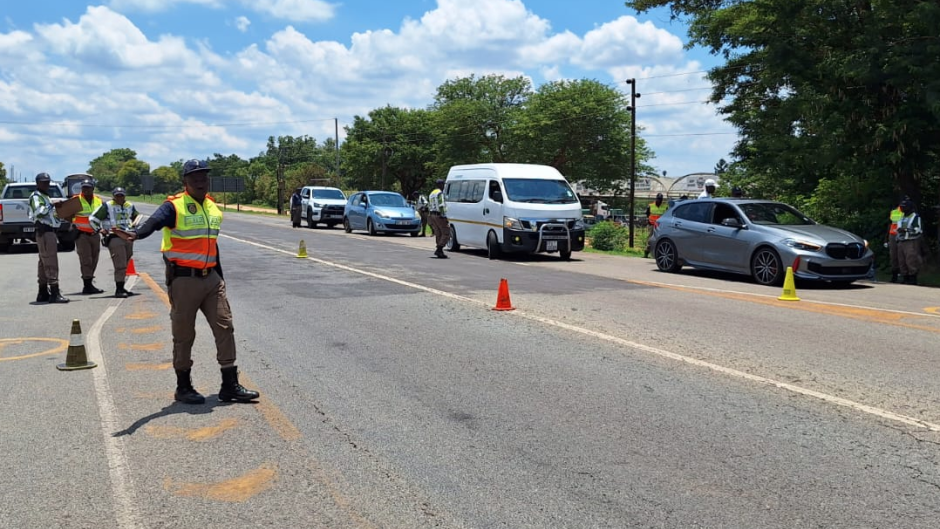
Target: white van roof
column 511, row 170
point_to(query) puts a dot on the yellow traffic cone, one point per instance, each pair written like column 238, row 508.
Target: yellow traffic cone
column 789, row 287
column 75, row 358
column 302, row 251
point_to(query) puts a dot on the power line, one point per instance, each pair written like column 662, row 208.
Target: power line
column 100, row 125
column 690, row 134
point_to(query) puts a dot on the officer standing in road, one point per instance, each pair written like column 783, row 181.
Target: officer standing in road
column 191, row 222
column 420, row 203
column 909, row 233
column 43, row 214
column 117, row 215
column 438, row 218
column 892, row 241
column 653, row 211
column 88, row 243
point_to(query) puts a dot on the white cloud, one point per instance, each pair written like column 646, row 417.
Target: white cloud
column 152, row 6
column 293, row 10
column 242, row 23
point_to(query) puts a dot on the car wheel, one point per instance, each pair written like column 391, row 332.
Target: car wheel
column 415, row 234
column 346, row 227
column 493, row 251
column 452, row 244
column 565, row 255
column 310, row 223
column 667, row 257
column 371, row 227
column 4, row 247
column 766, row 267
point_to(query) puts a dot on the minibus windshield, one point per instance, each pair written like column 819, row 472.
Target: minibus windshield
column 538, row 191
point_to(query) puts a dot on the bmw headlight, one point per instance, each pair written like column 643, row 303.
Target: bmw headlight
column 512, row 224
column 802, row 245
column 381, row 214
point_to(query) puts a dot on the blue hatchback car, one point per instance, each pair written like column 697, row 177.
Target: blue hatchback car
column 380, row 212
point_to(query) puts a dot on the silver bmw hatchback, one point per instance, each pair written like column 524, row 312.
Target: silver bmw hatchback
column 760, row 238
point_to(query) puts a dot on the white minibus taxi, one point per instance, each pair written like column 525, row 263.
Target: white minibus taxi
column 506, row 207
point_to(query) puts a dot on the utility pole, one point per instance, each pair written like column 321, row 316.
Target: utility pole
column 632, row 109
column 336, row 149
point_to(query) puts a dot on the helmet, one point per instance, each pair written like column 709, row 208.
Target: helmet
column 439, row 182
column 710, row 183
column 659, row 195
column 88, row 183
column 118, row 191
column 195, row 166
column 43, row 177
column 737, row 192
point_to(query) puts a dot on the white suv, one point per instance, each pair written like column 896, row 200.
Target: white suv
column 322, row 205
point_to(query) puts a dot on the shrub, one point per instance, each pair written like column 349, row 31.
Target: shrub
column 609, row 237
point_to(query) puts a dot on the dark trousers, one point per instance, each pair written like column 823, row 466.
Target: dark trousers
column 188, row 296
column 48, row 270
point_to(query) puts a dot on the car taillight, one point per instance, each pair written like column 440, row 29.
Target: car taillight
column 796, row 263
column 1, row 212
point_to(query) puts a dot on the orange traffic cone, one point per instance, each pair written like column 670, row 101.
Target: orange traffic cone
column 502, row 297
column 131, row 271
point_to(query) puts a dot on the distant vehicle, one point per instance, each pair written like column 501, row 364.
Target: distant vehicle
column 73, row 183
column 14, row 216
column 759, row 238
column 513, row 208
column 380, row 212
column 322, row 205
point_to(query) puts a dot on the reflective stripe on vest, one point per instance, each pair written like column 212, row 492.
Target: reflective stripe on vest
column 896, row 216
column 81, row 218
column 192, row 243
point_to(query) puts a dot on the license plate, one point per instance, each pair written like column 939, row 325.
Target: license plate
column 551, row 246
column 29, row 230
column 403, row 222
column 333, row 216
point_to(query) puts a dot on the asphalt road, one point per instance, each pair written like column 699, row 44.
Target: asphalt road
column 392, row 396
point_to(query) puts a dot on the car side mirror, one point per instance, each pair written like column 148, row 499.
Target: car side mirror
column 733, row 223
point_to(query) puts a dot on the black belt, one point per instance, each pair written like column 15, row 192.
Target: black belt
column 183, row 271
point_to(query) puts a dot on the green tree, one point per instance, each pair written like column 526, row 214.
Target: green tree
column 474, row 119
column 837, row 103
column 395, row 141
column 105, row 167
column 166, row 180
column 128, row 176
column 582, row 128
column 3, row 175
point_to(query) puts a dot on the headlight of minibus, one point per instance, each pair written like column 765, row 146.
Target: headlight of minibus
column 512, row 224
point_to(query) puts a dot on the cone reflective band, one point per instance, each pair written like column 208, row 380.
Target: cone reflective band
column 76, row 358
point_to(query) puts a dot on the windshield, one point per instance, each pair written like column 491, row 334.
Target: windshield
column 775, row 213
column 328, row 193
column 539, row 191
column 25, row 191
column 389, row 200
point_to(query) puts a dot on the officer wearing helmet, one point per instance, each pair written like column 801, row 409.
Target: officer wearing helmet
column 737, row 192
column 88, row 243
column 191, row 222
column 114, row 220
column 710, row 186
column 42, row 211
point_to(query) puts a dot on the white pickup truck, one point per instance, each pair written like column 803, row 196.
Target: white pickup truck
column 14, row 216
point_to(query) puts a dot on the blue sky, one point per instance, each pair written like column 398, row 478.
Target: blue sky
column 178, row 79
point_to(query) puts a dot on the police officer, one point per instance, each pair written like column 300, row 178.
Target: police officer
column 909, row 233
column 295, row 206
column 892, row 241
column 88, row 243
column 43, row 214
column 653, row 211
column 438, row 218
column 191, row 222
column 737, row 192
column 118, row 215
column 420, row 203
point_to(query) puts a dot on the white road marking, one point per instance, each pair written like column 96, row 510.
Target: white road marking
column 122, row 487
column 831, row 399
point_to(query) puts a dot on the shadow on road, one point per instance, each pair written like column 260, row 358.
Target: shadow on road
column 173, row 409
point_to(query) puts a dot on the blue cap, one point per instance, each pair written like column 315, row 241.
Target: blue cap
column 195, row 166
column 118, row 191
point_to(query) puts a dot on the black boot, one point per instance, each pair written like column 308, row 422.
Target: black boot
column 119, row 292
column 55, row 296
column 185, row 392
column 440, row 254
column 90, row 288
column 895, row 276
column 232, row 390
column 43, row 296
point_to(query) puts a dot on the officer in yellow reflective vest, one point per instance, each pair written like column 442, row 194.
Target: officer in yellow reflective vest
column 87, row 245
column 892, row 243
column 191, row 222
column 438, row 217
column 653, row 212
